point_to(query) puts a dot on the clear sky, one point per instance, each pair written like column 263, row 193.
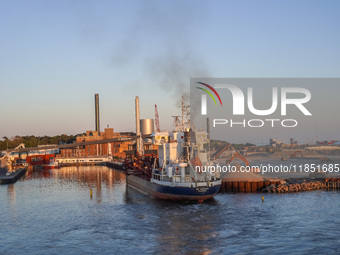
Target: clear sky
column 55, row 55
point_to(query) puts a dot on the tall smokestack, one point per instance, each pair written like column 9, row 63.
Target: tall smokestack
column 137, row 124
column 96, row 99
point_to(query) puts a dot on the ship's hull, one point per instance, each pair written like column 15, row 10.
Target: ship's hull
column 172, row 193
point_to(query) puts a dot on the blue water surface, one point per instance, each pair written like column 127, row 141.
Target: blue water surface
column 53, row 212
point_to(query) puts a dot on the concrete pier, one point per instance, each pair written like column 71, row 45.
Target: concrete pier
column 15, row 176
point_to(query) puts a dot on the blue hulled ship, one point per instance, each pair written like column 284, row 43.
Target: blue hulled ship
column 182, row 169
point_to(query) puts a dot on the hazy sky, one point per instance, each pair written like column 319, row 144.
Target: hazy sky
column 55, row 55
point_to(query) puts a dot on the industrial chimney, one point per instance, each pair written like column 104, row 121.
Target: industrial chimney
column 96, row 99
column 137, row 124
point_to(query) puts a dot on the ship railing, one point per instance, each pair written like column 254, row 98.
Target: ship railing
column 166, row 178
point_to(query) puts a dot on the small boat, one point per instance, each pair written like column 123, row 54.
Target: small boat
column 52, row 165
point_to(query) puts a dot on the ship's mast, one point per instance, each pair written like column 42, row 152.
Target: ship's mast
column 182, row 123
column 183, row 112
column 184, row 126
column 185, row 116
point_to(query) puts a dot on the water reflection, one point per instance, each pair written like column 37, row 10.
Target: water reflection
column 37, row 174
column 91, row 175
column 87, row 177
column 11, row 196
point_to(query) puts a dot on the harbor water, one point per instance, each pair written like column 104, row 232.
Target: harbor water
column 89, row 210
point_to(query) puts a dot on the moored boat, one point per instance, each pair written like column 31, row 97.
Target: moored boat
column 52, row 165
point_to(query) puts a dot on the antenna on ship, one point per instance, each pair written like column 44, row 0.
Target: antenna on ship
column 185, row 116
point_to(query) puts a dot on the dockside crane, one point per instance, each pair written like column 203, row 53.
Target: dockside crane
column 7, row 163
column 13, row 150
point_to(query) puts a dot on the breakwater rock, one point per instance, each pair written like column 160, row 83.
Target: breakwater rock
column 294, row 187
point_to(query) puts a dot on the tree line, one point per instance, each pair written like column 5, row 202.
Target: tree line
column 216, row 144
column 34, row 141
